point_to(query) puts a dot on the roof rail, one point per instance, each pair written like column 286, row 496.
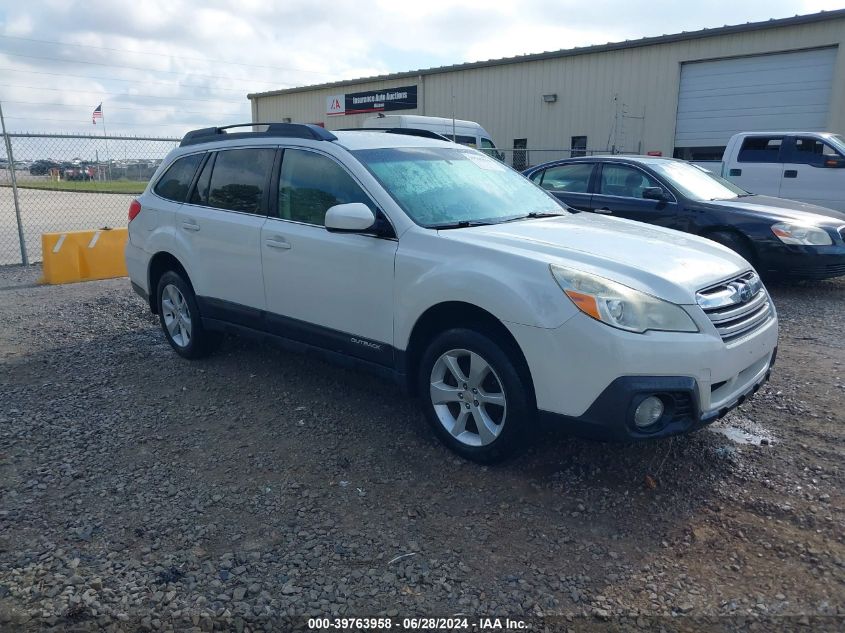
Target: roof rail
column 286, row 130
column 407, row 131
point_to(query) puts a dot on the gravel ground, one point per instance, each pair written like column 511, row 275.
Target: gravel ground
column 139, row 491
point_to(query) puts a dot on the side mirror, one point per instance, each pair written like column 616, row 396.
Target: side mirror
column 354, row 217
column 654, row 193
column 835, row 163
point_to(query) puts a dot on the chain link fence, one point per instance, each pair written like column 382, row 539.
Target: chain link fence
column 68, row 183
column 52, row 182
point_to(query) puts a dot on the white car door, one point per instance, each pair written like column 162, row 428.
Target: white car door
column 221, row 227
column 332, row 290
column 757, row 166
column 811, row 173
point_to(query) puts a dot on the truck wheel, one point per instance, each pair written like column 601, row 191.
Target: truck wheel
column 736, row 243
column 473, row 396
column 180, row 317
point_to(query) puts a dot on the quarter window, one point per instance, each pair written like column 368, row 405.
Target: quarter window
column 760, row 149
column 570, row 178
column 176, row 181
column 239, row 179
column 624, row 181
column 310, row 184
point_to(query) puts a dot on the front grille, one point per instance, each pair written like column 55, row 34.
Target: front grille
column 736, row 307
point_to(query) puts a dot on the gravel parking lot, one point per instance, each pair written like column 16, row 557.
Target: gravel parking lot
column 144, row 492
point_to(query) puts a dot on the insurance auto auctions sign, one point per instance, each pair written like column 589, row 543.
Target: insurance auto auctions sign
column 404, row 98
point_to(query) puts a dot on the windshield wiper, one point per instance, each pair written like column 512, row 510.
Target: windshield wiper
column 461, row 224
column 533, row 215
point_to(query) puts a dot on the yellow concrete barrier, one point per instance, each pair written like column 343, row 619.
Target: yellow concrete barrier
column 83, row 255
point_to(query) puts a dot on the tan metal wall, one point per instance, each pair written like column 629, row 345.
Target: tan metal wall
column 591, row 90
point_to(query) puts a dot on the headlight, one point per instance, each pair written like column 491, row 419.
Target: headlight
column 620, row 306
column 789, row 233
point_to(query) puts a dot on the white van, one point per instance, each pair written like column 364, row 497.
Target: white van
column 805, row 166
column 467, row 133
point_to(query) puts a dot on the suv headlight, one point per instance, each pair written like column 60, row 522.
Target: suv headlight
column 789, row 233
column 618, row 305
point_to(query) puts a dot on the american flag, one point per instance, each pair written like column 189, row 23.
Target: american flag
column 98, row 114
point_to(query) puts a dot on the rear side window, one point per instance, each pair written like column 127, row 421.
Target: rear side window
column 310, row 184
column 239, row 179
column 570, row 178
column 200, row 192
column 176, row 181
column 760, row 149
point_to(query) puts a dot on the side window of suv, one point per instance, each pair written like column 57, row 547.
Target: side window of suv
column 310, row 184
column 200, row 193
column 760, row 149
column 239, row 179
column 175, row 182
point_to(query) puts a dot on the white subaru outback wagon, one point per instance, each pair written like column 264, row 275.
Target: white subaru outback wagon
column 439, row 267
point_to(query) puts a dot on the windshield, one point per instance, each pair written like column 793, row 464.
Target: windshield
column 441, row 186
column 695, row 182
column 839, row 141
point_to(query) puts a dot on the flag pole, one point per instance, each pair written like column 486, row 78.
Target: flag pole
column 106, row 141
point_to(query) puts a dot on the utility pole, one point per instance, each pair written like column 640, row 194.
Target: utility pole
column 14, row 179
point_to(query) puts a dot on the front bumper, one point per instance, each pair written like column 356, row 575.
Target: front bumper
column 803, row 262
column 610, row 417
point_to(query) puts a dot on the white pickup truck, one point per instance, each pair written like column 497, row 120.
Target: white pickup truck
column 805, row 166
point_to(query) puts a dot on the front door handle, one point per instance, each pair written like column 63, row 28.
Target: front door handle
column 790, row 173
column 190, row 225
column 603, row 211
column 277, row 242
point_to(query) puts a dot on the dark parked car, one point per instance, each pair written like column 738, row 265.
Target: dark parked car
column 42, row 167
column 779, row 237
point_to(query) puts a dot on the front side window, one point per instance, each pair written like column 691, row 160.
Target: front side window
column 311, row 183
column 811, row 151
column 624, row 181
column 441, row 186
column 569, row 178
column 760, row 149
column 239, row 179
column 176, row 181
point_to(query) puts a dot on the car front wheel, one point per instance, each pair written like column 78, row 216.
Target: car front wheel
column 474, row 396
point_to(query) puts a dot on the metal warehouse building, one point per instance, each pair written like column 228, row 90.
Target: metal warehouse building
column 682, row 94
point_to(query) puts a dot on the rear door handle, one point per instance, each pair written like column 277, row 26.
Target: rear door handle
column 277, row 242
column 603, row 211
column 790, row 173
column 190, row 225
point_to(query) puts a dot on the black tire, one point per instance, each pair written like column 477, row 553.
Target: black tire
column 201, row 342
column 517, row 418
column 736, row 243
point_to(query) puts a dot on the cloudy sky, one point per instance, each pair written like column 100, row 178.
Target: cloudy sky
column 161, row 67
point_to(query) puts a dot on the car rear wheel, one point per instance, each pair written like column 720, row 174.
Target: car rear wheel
column 474, row 397
column 179, row 317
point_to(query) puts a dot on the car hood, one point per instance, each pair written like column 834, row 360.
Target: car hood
column 782, row 209
column 662, row 262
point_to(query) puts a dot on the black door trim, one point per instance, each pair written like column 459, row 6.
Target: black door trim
column 221, row 315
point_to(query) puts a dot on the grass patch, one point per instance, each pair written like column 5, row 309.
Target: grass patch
column 83, row 186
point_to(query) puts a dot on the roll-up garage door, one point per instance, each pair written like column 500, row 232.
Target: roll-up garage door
column 783, row 91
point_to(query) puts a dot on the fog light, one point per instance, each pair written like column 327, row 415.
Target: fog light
column 648, row 412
